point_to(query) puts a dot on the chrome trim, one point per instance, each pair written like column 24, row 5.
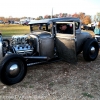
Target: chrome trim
column 36, row 57
column 92, row 49
column 14, row 70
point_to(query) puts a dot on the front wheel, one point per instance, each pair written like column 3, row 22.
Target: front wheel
column 90, row 50
column 13, row 69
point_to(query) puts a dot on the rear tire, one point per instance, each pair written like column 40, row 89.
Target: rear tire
column 90, row 50
column 12, row 69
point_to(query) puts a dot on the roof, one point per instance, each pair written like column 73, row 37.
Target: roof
column 54, row 20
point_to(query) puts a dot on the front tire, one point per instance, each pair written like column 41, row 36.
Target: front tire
column 90, row 50
column 13, row 69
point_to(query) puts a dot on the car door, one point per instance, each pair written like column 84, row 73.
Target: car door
column 66, row 43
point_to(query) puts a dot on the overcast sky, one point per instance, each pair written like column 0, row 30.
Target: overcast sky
column 35, row 8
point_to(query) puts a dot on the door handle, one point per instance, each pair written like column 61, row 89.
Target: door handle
column 74, row 39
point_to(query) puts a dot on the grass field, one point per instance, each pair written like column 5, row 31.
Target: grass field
column 11, row 29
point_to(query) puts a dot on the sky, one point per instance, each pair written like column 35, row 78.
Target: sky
column 35, row 8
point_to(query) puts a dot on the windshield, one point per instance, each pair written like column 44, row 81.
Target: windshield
column 40, row 27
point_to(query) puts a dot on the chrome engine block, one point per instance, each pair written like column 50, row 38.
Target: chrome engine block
column 21, row 45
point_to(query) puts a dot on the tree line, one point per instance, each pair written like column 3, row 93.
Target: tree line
column 7, row 19
column 85, row 19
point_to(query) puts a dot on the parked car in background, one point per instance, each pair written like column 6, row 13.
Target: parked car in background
column 1, row 22
column 16, row 22
column 87, row 27
column 25, row 23
column 10, row 21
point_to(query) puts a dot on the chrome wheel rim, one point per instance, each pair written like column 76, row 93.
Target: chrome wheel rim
column 13, row 70
column 92, row 50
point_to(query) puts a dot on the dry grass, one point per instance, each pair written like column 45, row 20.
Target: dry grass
column 11, row 29
column 57, row 81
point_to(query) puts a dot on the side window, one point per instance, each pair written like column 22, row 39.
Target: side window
column 64, row 28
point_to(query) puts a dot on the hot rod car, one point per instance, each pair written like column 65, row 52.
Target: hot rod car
column 44, row 43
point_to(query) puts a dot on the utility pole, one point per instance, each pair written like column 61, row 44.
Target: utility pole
column 52, row 13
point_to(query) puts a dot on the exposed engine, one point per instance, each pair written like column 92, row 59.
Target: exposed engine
column 29, row 45
column 22, row 45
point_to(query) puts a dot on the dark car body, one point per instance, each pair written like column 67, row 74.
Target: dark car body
column 44, row 43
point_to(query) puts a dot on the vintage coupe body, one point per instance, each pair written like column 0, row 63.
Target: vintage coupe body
column 44, row 43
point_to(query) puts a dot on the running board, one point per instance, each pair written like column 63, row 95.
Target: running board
column 31, row 64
